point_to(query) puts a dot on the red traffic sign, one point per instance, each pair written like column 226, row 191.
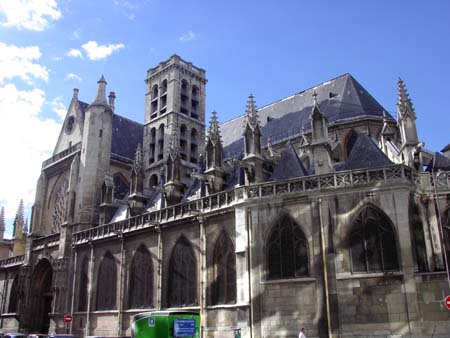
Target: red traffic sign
column 447, row 302
column 68, row 318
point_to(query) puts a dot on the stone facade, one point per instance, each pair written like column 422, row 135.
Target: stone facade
column 329, row 223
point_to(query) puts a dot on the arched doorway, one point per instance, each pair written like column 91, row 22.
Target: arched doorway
column 41, row 296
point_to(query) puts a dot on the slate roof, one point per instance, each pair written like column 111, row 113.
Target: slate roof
column 126, row 135
column 83, row 106
column 447, row 147
column 366, row 154
column 439, row 162
column 341, row 99
column 289, row 165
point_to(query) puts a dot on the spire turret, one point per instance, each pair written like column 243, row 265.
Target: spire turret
column 320, row 146
column 404, row 104
column 137, row 200
column 19, row 240
column 252, row 129
column 214, row 161
column 407, row 124
column 100, row 98
column 252, row 119
column 19, row 221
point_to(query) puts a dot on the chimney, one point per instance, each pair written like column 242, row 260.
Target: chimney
column 112, row 97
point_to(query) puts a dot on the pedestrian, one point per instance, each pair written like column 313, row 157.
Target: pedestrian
column 302, row 333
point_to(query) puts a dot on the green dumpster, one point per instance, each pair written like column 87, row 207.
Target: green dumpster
column 166, row 324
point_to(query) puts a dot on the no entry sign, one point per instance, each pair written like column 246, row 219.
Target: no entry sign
column 447, row 302
column 68, row 318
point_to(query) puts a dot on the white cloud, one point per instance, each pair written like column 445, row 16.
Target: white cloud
column 28, row 138
column 19, row 62
column 58, row 106
column 75, row 53
column 72, row 76
column 95, row 51
column 189, row 36
column 31, row 139
column 29, row 14
column 57, row 58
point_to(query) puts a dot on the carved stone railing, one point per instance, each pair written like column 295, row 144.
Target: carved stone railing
column 45, row 242
column 12, row 261
column 228, row 198
column 62, row 154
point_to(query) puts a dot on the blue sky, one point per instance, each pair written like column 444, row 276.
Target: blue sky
column 272, row 49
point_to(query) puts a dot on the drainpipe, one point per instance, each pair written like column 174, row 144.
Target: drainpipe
column 121, row 281
column 73, row 285
column 249, row 263
column 159, row 277
column 91, row 280
column 325, row 268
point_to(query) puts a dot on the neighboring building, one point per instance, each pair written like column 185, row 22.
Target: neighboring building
column 319, row 211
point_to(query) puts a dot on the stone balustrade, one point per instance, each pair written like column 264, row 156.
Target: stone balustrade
column 12, row 261
column 61, row 155
column 343, row 179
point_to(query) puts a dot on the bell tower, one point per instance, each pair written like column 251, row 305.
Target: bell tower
column 174, row 98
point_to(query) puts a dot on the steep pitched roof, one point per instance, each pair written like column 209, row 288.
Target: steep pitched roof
column 341, row 99
column 447, row 147
column 289, row 165
column 126, row 135
column 439, row 162
column 366, row 154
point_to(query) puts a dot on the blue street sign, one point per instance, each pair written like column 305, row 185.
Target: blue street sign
column 184, row 327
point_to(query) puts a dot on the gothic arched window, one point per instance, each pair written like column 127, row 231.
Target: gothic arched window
column 351, row 140
column 182, row 289
column 372, row 242
column 224, row 261
column 141, row 280
column 121, row 186
column 83, row 286
column 59, row 210
column 287, row 250
column 14, row 296
column 107, row 283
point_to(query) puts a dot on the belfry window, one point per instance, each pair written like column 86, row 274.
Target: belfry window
column 194, row 146
column 107, row 283
column 152, row 145
column 161, row 142
column 141, row 280
column 287, row 250
column 183, row 142
column 372, row 243
column 182, row 289
column 224, row 264
column 184, row 97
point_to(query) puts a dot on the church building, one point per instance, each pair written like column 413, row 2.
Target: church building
column 320, row 210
